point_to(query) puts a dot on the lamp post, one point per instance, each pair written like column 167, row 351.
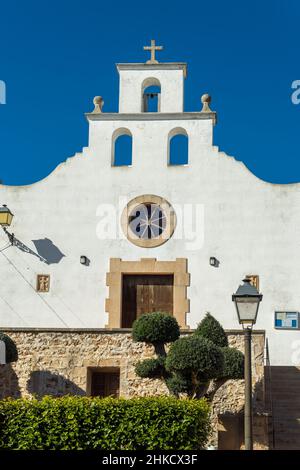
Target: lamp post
column 247, row 300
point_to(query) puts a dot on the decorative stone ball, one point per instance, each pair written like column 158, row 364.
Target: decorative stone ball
column 98, row 100
column 206, row 98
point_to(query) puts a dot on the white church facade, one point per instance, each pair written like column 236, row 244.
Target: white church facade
column 83, row 245
column 108, row 236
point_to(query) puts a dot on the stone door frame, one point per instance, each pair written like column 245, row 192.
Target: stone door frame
column 118, row 267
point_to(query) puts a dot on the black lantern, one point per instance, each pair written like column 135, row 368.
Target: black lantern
column 247, row 300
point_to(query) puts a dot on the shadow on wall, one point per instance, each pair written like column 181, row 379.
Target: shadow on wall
column 48, row 251
column 9, row 382
column 44, row 382
column 22, row 247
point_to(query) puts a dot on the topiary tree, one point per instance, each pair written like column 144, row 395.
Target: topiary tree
column 196, row 358
column 152, row 368
column 11, row 348
column 233, row 367
column 211, row 329
column 197, row 364
column 156, row 328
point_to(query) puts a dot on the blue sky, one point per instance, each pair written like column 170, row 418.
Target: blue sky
column 57, row 55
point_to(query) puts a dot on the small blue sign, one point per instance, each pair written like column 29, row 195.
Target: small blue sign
column 287, row 320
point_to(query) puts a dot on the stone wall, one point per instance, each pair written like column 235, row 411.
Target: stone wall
column 58, row 362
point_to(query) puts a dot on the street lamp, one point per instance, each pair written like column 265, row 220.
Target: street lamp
column 247, row 300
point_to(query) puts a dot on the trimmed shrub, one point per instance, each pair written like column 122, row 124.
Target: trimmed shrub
column 150, row 368
column 11, row 348
column 75, row 423
column 233, row 364
column 211, row 329
column 179, row 383
column 155, row 328
column 191, row 361
column 195, row 354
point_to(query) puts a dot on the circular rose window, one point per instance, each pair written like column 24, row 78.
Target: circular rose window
column 148, row 221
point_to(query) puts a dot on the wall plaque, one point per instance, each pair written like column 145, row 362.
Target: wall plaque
column 43, row 283
column 287, row 320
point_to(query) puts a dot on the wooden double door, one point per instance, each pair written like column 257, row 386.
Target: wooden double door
column 146, row 293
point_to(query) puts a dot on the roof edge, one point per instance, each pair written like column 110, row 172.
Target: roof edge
column 151, row 116
column 158, row 66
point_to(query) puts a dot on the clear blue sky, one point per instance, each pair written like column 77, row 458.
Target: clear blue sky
column 57, row 55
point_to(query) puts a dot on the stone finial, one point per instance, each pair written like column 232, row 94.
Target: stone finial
column 206, row 100
column 98, row 102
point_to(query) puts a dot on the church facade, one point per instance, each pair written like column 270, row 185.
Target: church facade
column 211, row 209
column 108, row 236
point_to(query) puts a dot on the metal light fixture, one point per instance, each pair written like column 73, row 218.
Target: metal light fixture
column 84, row 260
column 213, row 261
column 6, row 216
column 247, row 300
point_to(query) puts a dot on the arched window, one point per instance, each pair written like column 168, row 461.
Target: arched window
column 122, row 148
column 151, row 91
column 178, row 147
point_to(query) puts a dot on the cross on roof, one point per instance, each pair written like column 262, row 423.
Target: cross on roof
column 153, row 48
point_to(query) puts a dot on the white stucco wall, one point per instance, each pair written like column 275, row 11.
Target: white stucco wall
column 250, row 226
column 131, row 83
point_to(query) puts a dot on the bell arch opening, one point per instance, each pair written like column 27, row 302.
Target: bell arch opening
column 151, row 95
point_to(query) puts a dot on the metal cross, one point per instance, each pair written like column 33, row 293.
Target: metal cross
column 153, row 48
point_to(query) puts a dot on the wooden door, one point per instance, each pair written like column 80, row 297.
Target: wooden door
column 105, row 384
column 230, row 432
column 146, row 293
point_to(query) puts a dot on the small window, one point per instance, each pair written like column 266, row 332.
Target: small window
column 122, row 148
column 105, row 383
column 178, row 147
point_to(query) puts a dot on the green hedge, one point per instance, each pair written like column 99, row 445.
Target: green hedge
column 109, row 424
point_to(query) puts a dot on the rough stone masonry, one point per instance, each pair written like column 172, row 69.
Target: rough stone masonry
column 58, row 362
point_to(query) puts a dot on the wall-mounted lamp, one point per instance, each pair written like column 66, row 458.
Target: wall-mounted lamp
column 84, row 260
column 213, row 261
column 6, row 216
